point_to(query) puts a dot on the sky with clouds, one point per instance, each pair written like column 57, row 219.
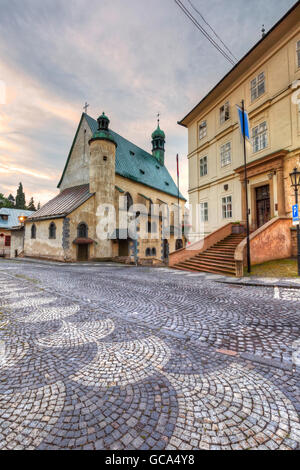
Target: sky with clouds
column 129, row 58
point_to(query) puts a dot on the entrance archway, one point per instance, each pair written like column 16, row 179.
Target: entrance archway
column 124, row 247
column 83, row 252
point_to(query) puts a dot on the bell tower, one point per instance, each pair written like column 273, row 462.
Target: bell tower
column 158, row 144
column 102, row 176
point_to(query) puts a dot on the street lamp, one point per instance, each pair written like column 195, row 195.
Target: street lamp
column 295, row 179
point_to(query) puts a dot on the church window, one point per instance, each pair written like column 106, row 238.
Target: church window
column 148, row 252
column 52, row 231
column 33, row 231
column 129, row 201
column 153, row 252
column 82, row 230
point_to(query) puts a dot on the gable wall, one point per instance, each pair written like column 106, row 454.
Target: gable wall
column 77, row 171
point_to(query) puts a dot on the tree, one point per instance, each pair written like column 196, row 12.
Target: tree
column 11, row 199
column 38, row 206
column 31, row 206
column 20, row 198
column 5, row 202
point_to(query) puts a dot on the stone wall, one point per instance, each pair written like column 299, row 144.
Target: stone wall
column 270, row 242
column 17, row 243
column 294, row 242
column 42, row 246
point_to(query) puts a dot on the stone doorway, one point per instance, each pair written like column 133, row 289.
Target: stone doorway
column 165, row 250
column 263, row 205
column 124, row 247
column 83, row 253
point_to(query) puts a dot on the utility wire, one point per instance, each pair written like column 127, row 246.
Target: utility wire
column 202, row 30
column 212, row 29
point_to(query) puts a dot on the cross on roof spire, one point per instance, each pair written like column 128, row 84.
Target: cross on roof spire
column 85, row 107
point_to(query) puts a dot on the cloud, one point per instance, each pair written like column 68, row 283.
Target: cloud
column 130, row 59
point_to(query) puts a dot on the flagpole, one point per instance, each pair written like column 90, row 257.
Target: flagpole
column 246, row 190
column 177, row 159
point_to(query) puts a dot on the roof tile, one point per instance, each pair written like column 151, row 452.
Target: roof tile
column 63, row 204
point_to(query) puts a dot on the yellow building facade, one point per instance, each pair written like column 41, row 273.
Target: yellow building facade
column 267, row 79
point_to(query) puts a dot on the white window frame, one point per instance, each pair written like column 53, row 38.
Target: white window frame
column 298, row 53
column 202, row 129
column 260, row 137
column 203, row 166
column 227, row 207
column 225, row 154
column 258, row 86
column 224, row 112
column 204, row 212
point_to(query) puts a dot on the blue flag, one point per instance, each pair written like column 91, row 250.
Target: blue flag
column 246, row 119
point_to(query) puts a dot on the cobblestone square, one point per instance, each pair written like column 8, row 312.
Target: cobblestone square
column 103, row 356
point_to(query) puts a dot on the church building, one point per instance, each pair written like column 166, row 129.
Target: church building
column 102, row 167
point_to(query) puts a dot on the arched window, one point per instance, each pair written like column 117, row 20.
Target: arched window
column 179, row 244
column 82, row 230
column 33, row 231
column 129, row 201
column 153, row 252
column 52, row 231
column 148, row 252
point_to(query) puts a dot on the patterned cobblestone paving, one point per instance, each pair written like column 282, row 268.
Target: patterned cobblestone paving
column 108, row 357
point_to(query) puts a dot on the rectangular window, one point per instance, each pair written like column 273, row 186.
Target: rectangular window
column 260, row 137
column 227, row 207
column 202, row 130
column 204, row 211
column 224, row 113
column 7, row 240
column 203, row 166
column 258, row 86
column 226, row 154
column 298, row 54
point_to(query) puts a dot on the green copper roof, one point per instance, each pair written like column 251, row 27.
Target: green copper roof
column 103, row 116
column 104, row 135
column 136, row 164
column 158, row 133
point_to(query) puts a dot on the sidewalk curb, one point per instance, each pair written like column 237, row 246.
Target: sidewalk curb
column 258, row 284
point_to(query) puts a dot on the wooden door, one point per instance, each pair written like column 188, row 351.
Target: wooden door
column 83, row 252
column 263, row 205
